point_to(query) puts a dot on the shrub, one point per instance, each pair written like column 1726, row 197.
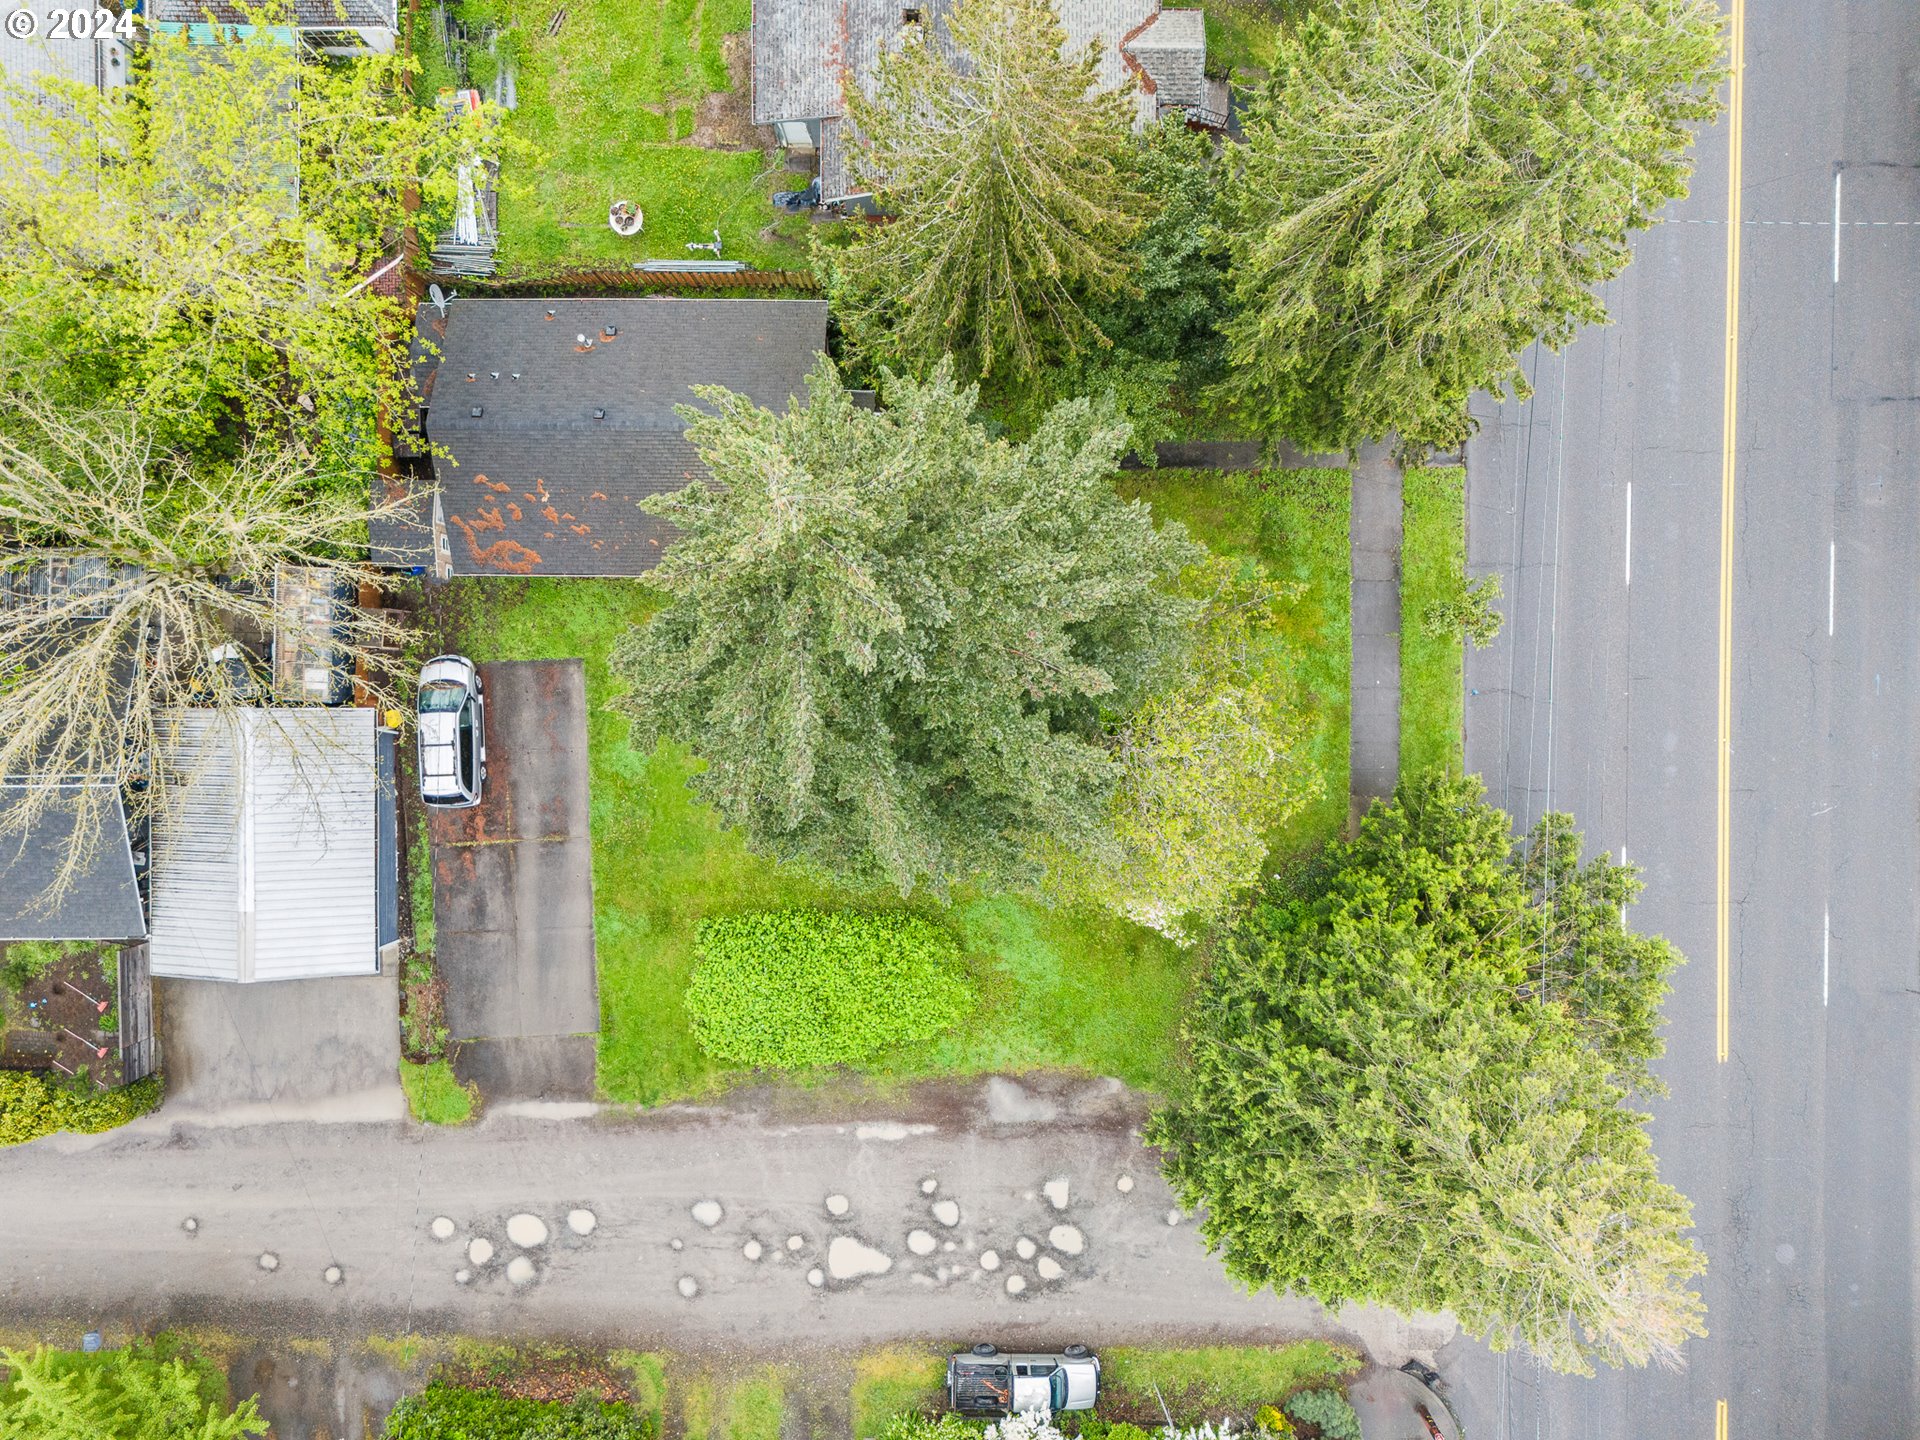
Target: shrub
column 1467, row 606
column 31, row 1106
column 434, row 1096
column 449, row 1412
column 791, row 988
column 1328, row 1411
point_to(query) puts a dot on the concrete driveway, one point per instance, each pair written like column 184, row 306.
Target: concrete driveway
column 281, row 1050
column 513, row 894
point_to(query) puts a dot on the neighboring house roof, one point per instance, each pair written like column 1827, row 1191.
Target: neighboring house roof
column 535, row 484
column 100, row 902
column 805, row 50
column 266, row 865
column 308, row 14
column 26, row 60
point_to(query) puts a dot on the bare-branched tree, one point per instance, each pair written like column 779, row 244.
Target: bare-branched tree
column 135, row 582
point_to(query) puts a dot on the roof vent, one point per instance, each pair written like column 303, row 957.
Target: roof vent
column 609, row 331
column 549, row 312
column 580, row 339
column 599, row 414
column 516, row 375
column 472, row 376
column 494, row 373
column 474, row 411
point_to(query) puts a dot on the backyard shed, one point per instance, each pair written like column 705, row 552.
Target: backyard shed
column 100, row 902
column 270, row 863
column 551, row 420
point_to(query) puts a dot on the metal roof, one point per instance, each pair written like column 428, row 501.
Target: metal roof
column 308, row 14
column 101, row 902
column 28, row 59
column 576, row 426
column 265, row 865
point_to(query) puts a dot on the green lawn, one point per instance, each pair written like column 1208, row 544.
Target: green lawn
column 1433, row 557
column 1059, row 988
column 1296, row 521
column 1241, row 34
column 1218, row 1380
column 894, row 1381
column 610, row 102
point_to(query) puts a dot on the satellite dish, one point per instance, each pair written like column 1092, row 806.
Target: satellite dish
column 440, row 298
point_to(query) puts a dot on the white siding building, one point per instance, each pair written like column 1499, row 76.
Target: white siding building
column 266, row 867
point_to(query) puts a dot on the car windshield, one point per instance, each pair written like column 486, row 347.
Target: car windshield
column 442, row 695
column 1059, row 1382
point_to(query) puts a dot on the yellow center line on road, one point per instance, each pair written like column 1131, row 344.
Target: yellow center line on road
column 1729, row 429
column 1720, row 1421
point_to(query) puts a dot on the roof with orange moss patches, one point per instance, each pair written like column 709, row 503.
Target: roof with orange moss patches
column 537, row 371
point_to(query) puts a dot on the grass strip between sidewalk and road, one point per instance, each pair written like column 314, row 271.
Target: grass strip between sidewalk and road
column 1433, row 562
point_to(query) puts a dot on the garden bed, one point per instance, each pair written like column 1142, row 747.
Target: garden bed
column 59, row 1008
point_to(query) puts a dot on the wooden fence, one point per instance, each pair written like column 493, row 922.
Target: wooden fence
column 560, row 283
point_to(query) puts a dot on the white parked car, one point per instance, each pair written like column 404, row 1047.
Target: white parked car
column 453, row 733
column 986, row 1382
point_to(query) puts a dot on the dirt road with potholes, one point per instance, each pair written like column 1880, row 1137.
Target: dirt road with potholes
column 706, row 1228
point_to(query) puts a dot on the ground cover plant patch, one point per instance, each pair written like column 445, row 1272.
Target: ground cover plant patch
column 434, row 1095
column 791, row 988
column 1433, row 563
column 1296, row 523
column 628, row 100
column 1055, row 987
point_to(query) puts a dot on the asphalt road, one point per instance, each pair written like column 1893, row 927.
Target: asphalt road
column 92, row 1229
column 1600, row 502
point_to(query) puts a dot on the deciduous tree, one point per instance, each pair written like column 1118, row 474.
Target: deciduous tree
column 897, row 642
column 165, row 560
column 1208, row 768
column 1412, row 1082
column 1010, row 186
column 1429, row 186
column 196, row 246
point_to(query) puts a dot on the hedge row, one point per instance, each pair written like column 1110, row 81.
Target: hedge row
column 791, row 988
column 448, row 1412
column 31, row 1107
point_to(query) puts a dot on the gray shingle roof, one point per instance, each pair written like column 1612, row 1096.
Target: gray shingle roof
column 807, row 53
column 310, row 14
column 535, row 484
column 102, row 902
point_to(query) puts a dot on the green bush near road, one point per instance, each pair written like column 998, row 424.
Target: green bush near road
column 31, row 1107
column 449, row 1412
column 1433, row 564
column 805, row 987
column 1328, row 1411
column 433, row 1094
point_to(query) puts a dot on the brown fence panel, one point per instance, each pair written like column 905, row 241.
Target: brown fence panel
column 637, row 282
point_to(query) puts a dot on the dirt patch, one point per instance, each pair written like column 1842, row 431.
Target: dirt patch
column 724, row 120
column 547, row 1373
column 423, row 1011
column 63, row 1021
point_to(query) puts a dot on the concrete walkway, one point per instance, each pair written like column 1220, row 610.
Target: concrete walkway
column 1375, row 736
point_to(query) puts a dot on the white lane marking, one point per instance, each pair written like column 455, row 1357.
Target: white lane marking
column 1836, row 225
column 1629, row 532
column 1826, row 948
column 1833, row 560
